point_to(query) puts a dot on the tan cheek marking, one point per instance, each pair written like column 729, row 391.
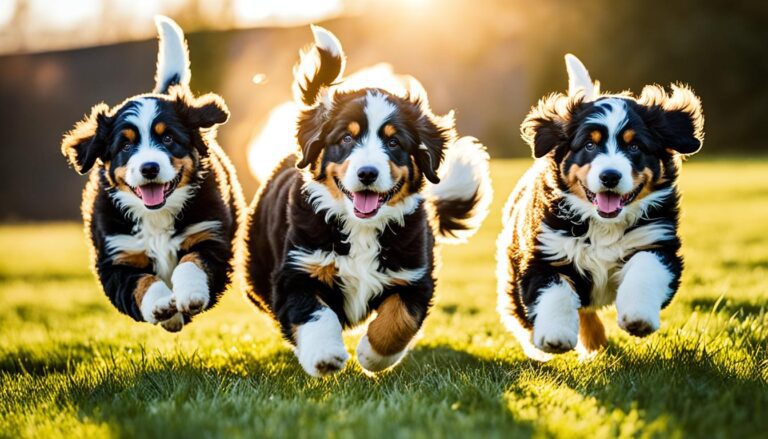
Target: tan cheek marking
column 142, row 285
column 628, row 136
column 399, row 173
column 575, row 177
column 129, row 134
column 159, row 128
column 389, row 130
column 591, row 331
column 596, row 136
column 393, row 328
column 137, row 259
column 334, row 170
column 645, row 177
column 354, row 128
column 186, row 166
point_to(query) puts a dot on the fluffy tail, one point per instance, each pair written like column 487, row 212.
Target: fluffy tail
column 320, row 66
column 579, row 79
column 462, row 197
column 172, row 56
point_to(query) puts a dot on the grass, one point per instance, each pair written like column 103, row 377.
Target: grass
column 72, row 366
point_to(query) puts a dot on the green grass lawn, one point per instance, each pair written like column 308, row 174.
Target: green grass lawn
column 72, row 366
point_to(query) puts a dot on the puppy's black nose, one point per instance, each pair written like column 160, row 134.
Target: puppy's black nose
column 367, row 174
column 150, row 170
column 610, row 178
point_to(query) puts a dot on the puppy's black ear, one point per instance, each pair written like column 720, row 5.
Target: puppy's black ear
column 434, row 134
column 87, row 141
column 308, row 134
column 677, row 119
column 544, row 126
column 207, row 110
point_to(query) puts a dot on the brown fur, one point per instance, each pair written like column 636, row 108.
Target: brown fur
column 195, row 259
column 399, row 173
column 591, row 331
column 129, row 134
column 575, row 177
column 323, row 273
column 137, row 259
column 393, row 328
column 142, row 286
column 335, row 170
column 628, row 136
column 199, row 237
column 389, row 130
column 159, row 128
column 354, row 128
column 596, row 136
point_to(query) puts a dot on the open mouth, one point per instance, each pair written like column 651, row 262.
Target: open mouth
column 367, row 203
column 609, row 204
column 154, row 195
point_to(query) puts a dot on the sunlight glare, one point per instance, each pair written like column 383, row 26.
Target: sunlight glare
column 7, row 11
column 249, row 12
column 274, row 141
column 63, row 15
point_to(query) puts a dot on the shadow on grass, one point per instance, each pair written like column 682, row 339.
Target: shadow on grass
column 729, row 306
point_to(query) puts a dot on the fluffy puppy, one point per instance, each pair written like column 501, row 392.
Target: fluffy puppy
column 162, row 203
column 350, row 227
column 594, row 221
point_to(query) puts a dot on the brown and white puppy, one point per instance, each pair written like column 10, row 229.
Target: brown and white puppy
column 594, row 221
column 350, row 227
column 162, row 203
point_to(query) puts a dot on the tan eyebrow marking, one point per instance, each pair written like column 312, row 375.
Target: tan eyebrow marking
column 596, row 136
column 354, row 128
column 160, row 128
column 389, row 130
column 129, row 134
column 629, row 135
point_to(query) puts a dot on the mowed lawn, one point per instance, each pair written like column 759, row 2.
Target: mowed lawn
column 72, row 366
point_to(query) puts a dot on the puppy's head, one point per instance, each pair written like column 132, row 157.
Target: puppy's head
column 149, row 145
column 368, row 146
column 614, row 151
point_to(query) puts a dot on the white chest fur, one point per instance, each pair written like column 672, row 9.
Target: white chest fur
column 601, row 252
column 358, row 273
column 156, row 236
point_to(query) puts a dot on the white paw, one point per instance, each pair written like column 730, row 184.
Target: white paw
column 158, row 303
column 372, row 361
column 174, row 324
column 190, row 286
column 319, row 346
column 640, row 323
column 555, row 337
column 321, row 360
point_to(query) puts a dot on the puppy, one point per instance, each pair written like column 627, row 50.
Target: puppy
column 351, row 226
column 594, row 221
column 162, row 202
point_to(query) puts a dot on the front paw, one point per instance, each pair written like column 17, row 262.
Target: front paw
column 639, row 324
column 321, row 360
column 555, row 337
column 190, row 286
column 372, row 361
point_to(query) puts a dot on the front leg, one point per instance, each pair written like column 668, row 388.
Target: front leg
column 203, row 272
column 311, row 325
column 555, row 314
column 190, row 285
column 398, row 319
column 648, row 281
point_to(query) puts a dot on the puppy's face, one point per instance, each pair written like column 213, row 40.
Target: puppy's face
column 373, row 150
column 617, row 150
column 149, row 146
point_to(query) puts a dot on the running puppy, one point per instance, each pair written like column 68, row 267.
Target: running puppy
column 162, row 203
column 350, row 227
column 594, row 221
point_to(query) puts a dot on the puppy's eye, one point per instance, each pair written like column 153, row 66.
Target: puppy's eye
column 167, row 140
column 393, row 143
column 634, row 148
column 589, row 146
column 127, row 146
column 347, row 139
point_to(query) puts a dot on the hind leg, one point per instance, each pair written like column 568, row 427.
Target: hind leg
column 388, row 336
column 591, row 331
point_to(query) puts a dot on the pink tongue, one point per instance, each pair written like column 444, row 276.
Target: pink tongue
column 365, row 201
column 608, row 202
column 152, row 194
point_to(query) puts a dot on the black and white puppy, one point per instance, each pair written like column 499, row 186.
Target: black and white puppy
column 350, row 227
column 162, row 203
column 594, row 221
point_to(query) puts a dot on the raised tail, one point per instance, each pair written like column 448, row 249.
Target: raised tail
column 579, row 79
column 172, row 56
column 320, row 66
column 462, row 197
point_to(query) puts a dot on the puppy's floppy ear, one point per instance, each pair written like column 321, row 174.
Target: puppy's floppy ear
column 435, row 133
column 87, row 141
column 544, row 126
column 677, row 119
column 308, row 134
column 207, row 110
